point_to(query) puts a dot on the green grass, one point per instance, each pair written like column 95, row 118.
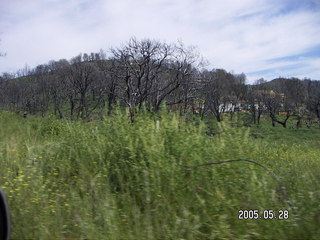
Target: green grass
column 111, row 179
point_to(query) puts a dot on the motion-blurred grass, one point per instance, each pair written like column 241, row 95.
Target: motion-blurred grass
column 112, row 179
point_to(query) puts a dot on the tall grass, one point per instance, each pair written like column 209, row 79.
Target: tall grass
column 112, row 179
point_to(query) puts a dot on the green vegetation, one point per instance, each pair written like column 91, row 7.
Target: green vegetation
column 113, row 179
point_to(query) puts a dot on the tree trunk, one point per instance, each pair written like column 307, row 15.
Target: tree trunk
column 131, row 110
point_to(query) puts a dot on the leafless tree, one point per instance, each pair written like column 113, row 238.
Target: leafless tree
column 178, row 80
column 218, row 91
column 295, row 96
column 274, row 103
column 313, row 100
column 60, row 91
column 81, row 77
column 255, row 96
column 137, row 66
column 148, row 71
column 107, row 89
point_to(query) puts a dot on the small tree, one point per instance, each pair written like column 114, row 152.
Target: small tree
column 218, row 92
column 254, row 100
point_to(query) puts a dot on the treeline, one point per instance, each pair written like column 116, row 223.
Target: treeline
column 147, row 74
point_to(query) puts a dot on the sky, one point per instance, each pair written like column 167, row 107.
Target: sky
column 262, row 38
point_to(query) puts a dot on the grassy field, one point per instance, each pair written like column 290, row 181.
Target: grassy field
column 111, row 179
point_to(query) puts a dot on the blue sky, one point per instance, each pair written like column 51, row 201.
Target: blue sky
column 262, row 38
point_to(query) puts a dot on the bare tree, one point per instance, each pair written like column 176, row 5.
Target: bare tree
column 177, row 80
column 81, row 77
column 138, row 66
column 313, row 101
column 255, row 96
column 109, row 85
column 274, row 103
column 295, row 95
column 218, row 92
column 60, row 90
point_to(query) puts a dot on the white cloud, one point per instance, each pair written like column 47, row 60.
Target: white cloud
column 236, row 35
